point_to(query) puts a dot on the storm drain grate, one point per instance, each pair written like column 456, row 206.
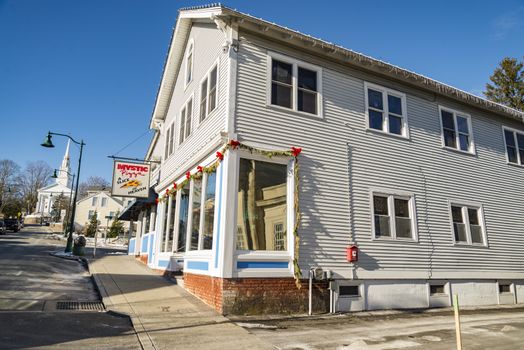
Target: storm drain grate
column 80, row 305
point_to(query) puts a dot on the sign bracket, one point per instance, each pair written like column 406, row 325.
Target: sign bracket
column 135, row 159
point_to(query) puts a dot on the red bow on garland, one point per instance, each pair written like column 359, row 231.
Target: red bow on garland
column 296, row 151
column 174, row 185
column 200, row 169
column 188, row 175
column 234, row 144
column 220, row 155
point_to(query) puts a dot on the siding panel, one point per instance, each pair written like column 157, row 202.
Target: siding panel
column 341, row 162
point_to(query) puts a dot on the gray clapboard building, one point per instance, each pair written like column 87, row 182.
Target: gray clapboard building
column 425, row 179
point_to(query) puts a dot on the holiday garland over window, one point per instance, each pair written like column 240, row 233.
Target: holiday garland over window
column 232, row 145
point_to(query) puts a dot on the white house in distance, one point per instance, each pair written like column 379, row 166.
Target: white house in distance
column 426, row 180
column 62, row 185
column 104, row 205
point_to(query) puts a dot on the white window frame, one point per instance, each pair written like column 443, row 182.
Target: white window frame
column 103, row 201
column 189, row 69
column 520, row 162
column 472, row 147
column 464, row 206
column 166, row 143
column 184, row 106
column 94, row 201
column 385, row 104
column 290, row 193
column 294, row 82
column 391, row 195
column 207, row 77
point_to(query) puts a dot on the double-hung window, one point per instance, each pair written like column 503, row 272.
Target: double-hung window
column 468, row 225
column 166, row 146
column 189, row 63
column 386, row 110
column 208, row 93
column 456, row 130
column 393, row 216
column 186, row 115
column 295, row 85
column 514, row 146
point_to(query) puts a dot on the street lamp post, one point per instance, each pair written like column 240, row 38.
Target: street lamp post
column 48, row 143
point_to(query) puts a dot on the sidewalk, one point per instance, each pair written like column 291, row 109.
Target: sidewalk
column 164, row 315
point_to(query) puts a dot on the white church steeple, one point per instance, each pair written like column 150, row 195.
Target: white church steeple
column 63, row 177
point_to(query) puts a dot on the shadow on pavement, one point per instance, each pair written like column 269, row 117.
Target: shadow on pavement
column 89, row 330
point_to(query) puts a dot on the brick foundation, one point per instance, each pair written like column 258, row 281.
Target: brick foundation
column 142, row 258
column 252, row 296
column 206, row 288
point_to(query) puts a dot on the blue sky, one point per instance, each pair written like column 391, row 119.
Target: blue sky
column 91, row 68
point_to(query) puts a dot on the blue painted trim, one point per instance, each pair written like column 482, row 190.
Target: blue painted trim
column 198, row 265
column 262, row 264
column 163, row 263
column 151, row 246
column 131, row 248
column 145, row 240
column 219, row 215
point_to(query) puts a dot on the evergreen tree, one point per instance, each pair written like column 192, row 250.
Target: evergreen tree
column 92, row 226
column 508, row 84
column 117, row 227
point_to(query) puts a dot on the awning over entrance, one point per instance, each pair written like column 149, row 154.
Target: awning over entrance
column 131, row 212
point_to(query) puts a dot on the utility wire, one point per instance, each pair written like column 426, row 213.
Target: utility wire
column 129, row 144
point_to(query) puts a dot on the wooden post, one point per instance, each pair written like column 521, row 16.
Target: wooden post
column 457, row 321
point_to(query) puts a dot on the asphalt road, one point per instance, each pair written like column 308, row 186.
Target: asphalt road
column 31, row 283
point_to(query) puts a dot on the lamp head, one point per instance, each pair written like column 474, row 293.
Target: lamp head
column 47, row 141
column 54, row 175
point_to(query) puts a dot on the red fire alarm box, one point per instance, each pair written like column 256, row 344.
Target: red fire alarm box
column 352, row 253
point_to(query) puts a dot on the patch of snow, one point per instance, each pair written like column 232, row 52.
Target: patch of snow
column 508, row 328
column 253, row 325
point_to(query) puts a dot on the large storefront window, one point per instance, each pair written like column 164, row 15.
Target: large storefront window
column 195, row 212
column 261, row 206
column 209, row 211
column 182, row 221
column 171, row 221
column 164, row 230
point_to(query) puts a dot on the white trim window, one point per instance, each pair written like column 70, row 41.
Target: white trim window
column 103, row 202
column 209, row 93
column 393, row 216
column 386, row 110
column 94, row 201
column 456, row 130
column 166, row 143
column 468, row 224
column 263, row 202
column 189, row 63
column 186, row 116
column 294, row 85
column 514, row 141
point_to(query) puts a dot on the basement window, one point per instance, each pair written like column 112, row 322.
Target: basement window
column 504, row 288
column 349, row 291
column 436, row 289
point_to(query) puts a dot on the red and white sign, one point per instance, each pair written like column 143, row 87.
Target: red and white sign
column 131, row 179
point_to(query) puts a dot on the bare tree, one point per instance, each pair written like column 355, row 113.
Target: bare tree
column 9, row 171
column 35, row 176
column 93, row 183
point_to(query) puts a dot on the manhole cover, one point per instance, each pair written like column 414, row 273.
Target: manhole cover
column 80, row 305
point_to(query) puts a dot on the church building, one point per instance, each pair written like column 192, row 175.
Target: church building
column 62, row 186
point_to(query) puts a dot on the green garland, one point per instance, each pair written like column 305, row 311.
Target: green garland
column 232, row 145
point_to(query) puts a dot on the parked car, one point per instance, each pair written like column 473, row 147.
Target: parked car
column 2, row 227
column 12, row 224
